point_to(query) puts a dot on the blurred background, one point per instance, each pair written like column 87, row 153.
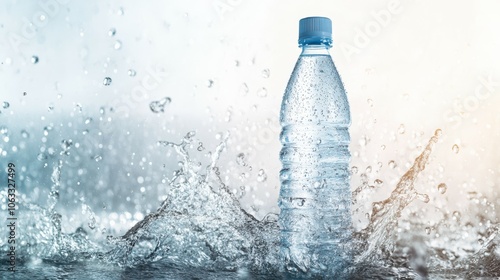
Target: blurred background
column 97, row 85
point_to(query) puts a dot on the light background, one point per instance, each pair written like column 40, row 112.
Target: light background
column 410, row 67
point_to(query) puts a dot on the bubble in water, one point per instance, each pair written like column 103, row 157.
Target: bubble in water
column 401, row 129
column 455, row 148
column 261, row 176
column 442, row 188
column 210, row 83
column 107, row 81
column 34, row 59
column 266, row 73
column 392, row 164
column 240, row 159
column 5, row 104
column 111, row 32
column 131, row 72
column 117, row 45
column 159, row 106
column 262, row 92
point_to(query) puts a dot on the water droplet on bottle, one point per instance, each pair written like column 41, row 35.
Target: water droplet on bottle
column 392, row 164
column 210, row 83
column 5, row 104
column 442, row 188
column 262, row 92
column 159, row 106
column 401, row 129
column 107, row 81
column 34, row 59
column 261, row 176
column 266, row 73
column 117, row 45
column 455, row 148
column 97, row 158
column 131, row 72
column 111, row 32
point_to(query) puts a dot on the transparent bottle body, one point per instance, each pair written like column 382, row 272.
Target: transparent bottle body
column 315, row 195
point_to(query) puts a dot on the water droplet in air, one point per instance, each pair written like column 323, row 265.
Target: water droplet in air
column 121, row 11
column 240, row 159
column 34, row 59
column 111, row 32
column 423, row 197
column 131, row 72
column 379, row 182
column 41, row 156
column 88, row 120
column 97, row 158
column 117, row 45
column 442, row 188
column 262, row 92
column 368, row 169
column 159, row 106
column 210, row 83
column 266, row 73
column 107, row 81
column 200, row 147
column 438, row 132
column 51, row 107
column 244, row 89
column 102, row 111
column 455, row 149
column 25, row 134
column 5, row 104
column 25, row 93
column 354, row 170
column 370, row 102
column 401, row 129
column 392, row 164
column 261, row 176
column 428, row 230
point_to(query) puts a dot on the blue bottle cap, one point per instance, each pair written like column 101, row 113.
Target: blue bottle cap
column 315, row 30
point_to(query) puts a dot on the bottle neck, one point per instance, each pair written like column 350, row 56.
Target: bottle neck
column 316, row 49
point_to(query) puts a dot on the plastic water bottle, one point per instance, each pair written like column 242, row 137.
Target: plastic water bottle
column 315, row 196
